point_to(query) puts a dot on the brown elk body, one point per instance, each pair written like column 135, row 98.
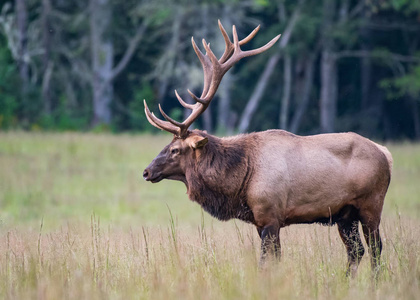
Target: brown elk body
column 274, row 178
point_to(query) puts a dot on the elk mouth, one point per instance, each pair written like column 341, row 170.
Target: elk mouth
column 153, row 178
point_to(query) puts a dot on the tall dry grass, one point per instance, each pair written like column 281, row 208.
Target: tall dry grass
column 78, row 223
column 77, row 261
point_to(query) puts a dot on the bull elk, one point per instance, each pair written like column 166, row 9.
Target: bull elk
column 274, row 178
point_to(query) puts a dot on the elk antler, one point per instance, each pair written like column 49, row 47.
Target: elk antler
column 213, row 69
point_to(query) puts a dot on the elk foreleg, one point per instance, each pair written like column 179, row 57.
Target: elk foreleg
column 270, row 242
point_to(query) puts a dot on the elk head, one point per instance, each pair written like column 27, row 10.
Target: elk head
column 172, row 161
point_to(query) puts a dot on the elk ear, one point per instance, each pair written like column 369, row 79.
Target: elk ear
column 198, row 141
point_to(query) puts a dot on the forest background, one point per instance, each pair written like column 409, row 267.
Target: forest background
column 340, row 65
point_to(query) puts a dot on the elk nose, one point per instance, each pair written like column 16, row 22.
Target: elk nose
column 146, row 174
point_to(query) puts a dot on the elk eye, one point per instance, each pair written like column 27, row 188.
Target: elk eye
column 175, row 151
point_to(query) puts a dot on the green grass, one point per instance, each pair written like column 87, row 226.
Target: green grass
column 404, row 193
column 77, row 221
column 70, row 176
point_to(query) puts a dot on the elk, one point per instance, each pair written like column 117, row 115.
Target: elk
column 274, row 178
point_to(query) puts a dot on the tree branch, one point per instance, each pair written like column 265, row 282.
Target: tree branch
column 357, row 9
column 129, row 52
column 255, row 98
column 285, row 37
column 78, row 65
column 258, row 92
column 385, row 55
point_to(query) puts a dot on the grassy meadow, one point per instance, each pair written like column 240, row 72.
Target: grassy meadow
column 77, row 221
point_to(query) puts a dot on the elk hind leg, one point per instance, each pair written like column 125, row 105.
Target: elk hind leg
column 370, row 217
column 349, row 233
column 373, row 239
column 270, row 242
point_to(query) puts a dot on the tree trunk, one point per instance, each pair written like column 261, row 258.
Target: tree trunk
column 223, row 109
column 287, row 87
column 366, row 63
column 69, row 90
column 328, row 98
column 252, row 104
column 47, row 61
column 328, row 101
column 207, row 120
column 102, row 61
column 365, row 76
column 224, row 112
column 167, row 71
column 256, row 96
column 305, row 94
column 416, row 118
column 22, row 51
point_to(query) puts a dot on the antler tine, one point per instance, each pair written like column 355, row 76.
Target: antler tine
column 206, row 64
column 250, row 36
column 235, row 40
column 238, row 54
column 228, row 44
column 169, row 119
column 261, row 49
column 213, row 69
column 158, row 123
column 209, row 53
column 183, row 103
column 152, row 123
column 232, row 55
column 199, row 100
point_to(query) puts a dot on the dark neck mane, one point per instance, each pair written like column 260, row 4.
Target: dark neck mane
column 219, row 179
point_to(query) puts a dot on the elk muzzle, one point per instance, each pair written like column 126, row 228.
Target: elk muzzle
column 146, row 175
column 150, row 175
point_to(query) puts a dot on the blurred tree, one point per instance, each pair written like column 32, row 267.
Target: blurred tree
column 74, row 64
column 408, row 84
column 328, row 97
column 9, row 79
column 47, row 59
column 406, row 80
column 178, row 65
column 260, row 88
column 22, row 47
column 104, row 70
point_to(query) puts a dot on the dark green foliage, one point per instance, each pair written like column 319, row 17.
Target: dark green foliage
column 137, row 118
column 399, row 87
column 9, row 103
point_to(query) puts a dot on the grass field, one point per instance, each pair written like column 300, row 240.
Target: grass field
column 77, row 221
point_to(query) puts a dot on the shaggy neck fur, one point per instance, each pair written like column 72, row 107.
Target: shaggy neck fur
column 219, row 177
